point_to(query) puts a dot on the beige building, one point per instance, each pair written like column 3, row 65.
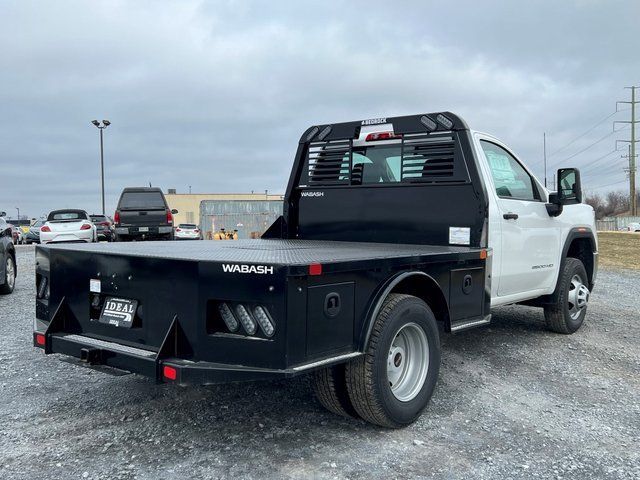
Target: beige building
column 188, row 204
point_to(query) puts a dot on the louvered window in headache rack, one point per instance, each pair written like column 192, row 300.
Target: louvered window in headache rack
column 425, row 158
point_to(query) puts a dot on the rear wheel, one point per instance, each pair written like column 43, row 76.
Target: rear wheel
column 567, row 313
column 392, row 383
column 9, row 276
column 330, row 387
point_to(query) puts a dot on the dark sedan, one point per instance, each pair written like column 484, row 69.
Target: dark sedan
column 104, row 227
column 33, row 235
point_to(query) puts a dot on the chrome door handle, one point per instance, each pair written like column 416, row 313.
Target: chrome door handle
column 510, row 216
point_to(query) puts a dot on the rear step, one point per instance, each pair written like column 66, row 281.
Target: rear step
column 110, row 346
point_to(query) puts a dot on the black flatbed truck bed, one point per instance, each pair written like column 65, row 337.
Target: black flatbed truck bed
column 177, row 286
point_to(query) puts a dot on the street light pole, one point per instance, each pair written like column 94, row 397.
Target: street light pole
column 18, row 212
column 101, row 127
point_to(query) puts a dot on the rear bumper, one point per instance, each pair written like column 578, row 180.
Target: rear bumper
column 165, row 370
column 140, row 231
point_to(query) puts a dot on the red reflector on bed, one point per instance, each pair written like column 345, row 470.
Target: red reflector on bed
column 169, row 373
column 40, row 339
column 315, row 269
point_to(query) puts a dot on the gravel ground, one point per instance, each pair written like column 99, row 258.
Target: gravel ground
column 513, row 401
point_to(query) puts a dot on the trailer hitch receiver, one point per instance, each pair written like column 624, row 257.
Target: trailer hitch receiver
column 92, row 356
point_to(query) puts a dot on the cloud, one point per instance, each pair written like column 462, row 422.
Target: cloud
column 215, row 95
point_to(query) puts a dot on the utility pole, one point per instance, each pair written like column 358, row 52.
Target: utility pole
column 632, row 151
column 544, row 148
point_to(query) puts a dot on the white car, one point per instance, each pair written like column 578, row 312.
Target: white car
column 187, row 231
column 633, row 227
column 68, row 226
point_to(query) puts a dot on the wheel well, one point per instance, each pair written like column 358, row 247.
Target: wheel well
column 582, row 249
column 427, row 289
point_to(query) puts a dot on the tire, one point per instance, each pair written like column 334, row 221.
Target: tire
column 330, row 388
column 567, row 313
column 378, row 392
column 9, row 283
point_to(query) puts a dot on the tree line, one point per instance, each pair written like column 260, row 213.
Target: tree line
column 611, row 204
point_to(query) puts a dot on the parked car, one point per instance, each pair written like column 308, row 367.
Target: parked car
column 17, row 235
column 142, row 214
column 68, row 226
column 33, row 235
column 188, row 231
column 104, row 227
column 633, row 227
column 8, row 270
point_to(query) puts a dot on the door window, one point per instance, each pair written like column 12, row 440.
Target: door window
column 510, row 178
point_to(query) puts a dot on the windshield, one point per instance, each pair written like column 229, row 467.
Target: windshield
column 142, row 200
column 187, row 226
column 98, row 218
column 67, row 216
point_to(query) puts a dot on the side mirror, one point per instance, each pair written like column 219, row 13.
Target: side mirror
column 3, row 214
column 174, row 211
column 569, row 186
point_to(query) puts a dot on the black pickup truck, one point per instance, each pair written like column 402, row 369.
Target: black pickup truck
column 350, row 283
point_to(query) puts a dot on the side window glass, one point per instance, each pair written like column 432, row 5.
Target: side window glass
column 510, row 178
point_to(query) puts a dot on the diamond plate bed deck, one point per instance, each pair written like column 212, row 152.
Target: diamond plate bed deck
column 270, row 252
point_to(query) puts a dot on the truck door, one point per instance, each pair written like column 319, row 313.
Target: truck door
column 529, row 239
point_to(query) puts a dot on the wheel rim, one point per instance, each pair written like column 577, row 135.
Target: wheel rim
column 578, row 297
column 408, row 362
column 11, row 273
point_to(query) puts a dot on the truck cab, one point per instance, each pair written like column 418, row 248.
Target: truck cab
column 393, row 230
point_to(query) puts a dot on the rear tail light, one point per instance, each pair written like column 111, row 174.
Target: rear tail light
column 39, row 339
column 377, row 136
column 104, row 224
column 85, row 226
column 196, row 230
column 178, row 230
column 169, row 373
column 169, row 217
column 263, row 319
column 248, row 323
column 228, row 317
column 45, row 228
column 116, row 217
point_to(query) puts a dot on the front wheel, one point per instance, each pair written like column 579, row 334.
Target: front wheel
column 392, row 383
column 567, row 313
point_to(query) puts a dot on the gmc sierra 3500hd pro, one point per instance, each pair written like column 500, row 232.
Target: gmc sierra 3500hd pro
column 390, row 227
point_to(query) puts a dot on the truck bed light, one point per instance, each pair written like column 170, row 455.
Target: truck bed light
column 228, row 317
column 248, row 323
column 169, row 373
column 263, row 319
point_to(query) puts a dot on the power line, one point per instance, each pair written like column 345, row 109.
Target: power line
column 610, row 184
column 593, row 162
column 591, row 145
column 585, row 133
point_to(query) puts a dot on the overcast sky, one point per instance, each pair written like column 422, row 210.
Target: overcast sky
column 215, row 94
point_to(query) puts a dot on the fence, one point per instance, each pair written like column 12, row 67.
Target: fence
column 615, row 223
column 249, row 217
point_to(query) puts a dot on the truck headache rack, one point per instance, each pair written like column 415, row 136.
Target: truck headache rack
column 422, row 158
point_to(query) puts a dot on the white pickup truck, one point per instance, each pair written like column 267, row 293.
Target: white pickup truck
column 390, row 227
